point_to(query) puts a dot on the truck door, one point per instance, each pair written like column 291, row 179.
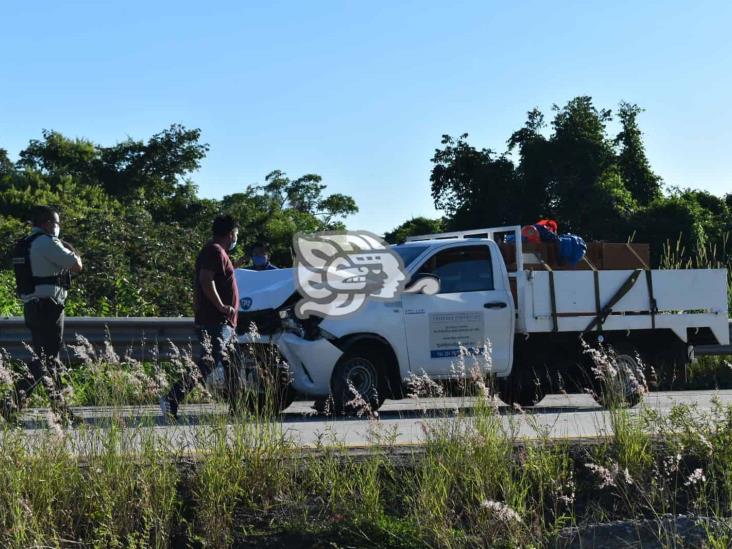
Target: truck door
column 472, row 308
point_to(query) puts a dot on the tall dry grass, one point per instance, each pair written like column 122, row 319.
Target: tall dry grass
column 475, row 482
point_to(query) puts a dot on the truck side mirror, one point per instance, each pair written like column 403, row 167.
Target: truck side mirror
column 423, row 283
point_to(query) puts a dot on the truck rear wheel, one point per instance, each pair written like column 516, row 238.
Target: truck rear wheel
column 666, row 367
column 618, row 375
column 522, row 388
column 358, row 382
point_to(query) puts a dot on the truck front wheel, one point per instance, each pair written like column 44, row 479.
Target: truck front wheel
column 266, row 392
column 358, row 382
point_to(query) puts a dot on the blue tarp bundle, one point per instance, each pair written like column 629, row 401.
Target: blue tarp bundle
column 572, row 249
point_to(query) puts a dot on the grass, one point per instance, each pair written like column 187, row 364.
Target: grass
column 709, row 372
column 475, row 483
column 99, row 377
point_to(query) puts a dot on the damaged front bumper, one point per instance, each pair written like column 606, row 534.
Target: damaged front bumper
column 310, row 356
column 311, row 362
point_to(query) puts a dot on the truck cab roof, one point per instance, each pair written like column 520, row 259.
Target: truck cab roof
column 440, row 241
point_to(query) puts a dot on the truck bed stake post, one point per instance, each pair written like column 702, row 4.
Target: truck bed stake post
column 651, row 298
column 598, row 308
column 553, row 296
column 608, row 308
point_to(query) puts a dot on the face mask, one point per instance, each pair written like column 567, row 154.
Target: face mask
column 56, row 231
column 232, row 245
column 259, row 260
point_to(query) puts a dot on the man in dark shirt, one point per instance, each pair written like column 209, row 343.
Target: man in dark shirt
column 215, row 302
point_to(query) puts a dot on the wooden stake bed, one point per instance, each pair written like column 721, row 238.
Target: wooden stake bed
column 604, row 256
column 677, row 300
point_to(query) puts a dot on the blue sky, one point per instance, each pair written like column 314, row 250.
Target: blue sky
column 360, row 92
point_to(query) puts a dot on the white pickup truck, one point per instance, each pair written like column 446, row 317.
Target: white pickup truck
column 525, row 327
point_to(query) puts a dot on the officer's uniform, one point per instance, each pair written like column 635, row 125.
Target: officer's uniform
column 44, row 308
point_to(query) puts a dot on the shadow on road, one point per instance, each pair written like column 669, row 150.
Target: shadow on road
column 503, row 410
column 152, row 418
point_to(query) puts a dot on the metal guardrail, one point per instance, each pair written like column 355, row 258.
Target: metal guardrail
column 713, row 350
column 142, row 337
column 137, row 337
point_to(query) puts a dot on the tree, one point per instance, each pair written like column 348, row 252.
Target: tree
column 581, row 156
column 534, row 168
column 6, row 165
column 151, row 171
column 643, row 184
column 305, row 195
column 55, row 157
column 414, row 227
column 570, row 175
column 474, row 187
column 281, row 207
column 155, row 167
column 670, row 221
column 607, row 211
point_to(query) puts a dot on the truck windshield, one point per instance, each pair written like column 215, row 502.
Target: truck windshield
column 409, row 253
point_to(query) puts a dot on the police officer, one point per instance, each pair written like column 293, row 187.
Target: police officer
column 51, row 265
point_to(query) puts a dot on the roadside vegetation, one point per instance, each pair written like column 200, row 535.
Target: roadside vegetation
column 477, row 481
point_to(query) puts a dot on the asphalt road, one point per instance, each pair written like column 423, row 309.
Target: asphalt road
column 402, row 422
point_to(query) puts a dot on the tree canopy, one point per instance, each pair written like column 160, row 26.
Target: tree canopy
column 414, row 227
column 135, row 215
column 596, row 185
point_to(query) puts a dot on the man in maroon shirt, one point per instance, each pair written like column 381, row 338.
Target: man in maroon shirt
column 215, row 302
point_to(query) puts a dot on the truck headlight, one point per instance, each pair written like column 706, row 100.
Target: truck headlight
column 290, row 323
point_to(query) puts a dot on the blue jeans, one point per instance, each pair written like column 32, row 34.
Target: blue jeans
column 214, row 340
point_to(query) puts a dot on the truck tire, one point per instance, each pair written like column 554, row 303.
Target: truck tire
column 324, row 405
column 267, row 393
column 258, row 385
column 358, row 382
column 627, row 386
column 667, row 367
column 521, row 387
